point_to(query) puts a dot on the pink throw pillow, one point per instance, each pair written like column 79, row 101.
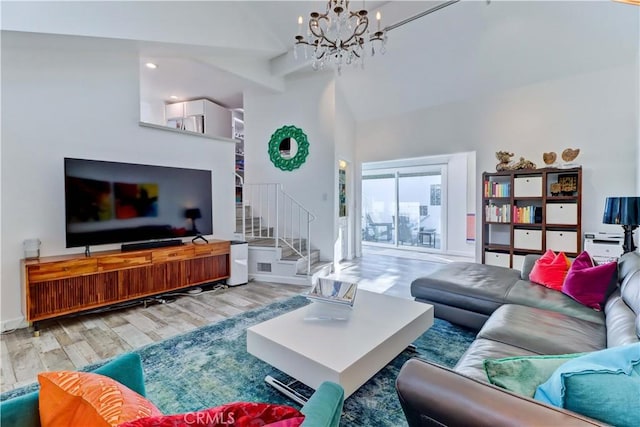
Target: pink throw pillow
column 550, row 270
column 237, row 414
column 588, row 283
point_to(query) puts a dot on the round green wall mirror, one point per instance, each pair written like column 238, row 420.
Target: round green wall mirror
column 288, row 148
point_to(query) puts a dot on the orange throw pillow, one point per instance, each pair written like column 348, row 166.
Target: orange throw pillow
column 550, row 270
column 69, row 398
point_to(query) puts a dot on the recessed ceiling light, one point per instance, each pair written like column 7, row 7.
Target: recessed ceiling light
column 151, row 65
column 173, row 97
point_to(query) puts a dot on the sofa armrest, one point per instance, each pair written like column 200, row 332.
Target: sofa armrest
column 324, row 407
column 527, row 265
column 432, row 395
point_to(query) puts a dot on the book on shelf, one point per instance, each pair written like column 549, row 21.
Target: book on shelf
column 527, row 214
column 497, row 189
column 333, row 291
column 498, row 213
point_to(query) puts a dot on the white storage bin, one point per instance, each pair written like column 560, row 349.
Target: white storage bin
column 527, row 239
column 562, row 241
column 496, row 258
column 562, row 213
column 518, row 262
column 527, row 186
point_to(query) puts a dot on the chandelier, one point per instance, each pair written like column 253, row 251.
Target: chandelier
column 339, row 36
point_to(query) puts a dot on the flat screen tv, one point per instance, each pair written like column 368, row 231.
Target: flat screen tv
column 109, row 202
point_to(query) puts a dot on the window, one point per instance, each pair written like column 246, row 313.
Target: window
column 402, row 206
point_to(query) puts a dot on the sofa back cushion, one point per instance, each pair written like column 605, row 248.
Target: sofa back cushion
column 623, row 306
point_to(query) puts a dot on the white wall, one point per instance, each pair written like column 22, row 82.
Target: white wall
column 345, row 140
column 596, row 112
column 64, row 101
column 308, row 103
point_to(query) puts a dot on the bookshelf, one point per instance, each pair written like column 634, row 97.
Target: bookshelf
column 530, row 211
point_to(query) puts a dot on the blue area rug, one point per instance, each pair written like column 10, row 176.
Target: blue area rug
column 210, row 366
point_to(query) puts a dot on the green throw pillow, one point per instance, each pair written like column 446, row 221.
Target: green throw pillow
column 523, row 374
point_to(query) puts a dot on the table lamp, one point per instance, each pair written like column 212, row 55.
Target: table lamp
column 624, row 211
column 193, row 214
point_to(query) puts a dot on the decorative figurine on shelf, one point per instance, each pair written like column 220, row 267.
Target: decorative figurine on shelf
column 569, row 184
column 524, row 164
column 556, row 188
column 505, row 161
column 569, row 155
column 549, row 159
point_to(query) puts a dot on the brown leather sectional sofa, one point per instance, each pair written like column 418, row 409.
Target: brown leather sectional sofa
column 515, row 318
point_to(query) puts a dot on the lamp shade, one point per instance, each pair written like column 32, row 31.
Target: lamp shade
column 622, row 210
column 193, row 213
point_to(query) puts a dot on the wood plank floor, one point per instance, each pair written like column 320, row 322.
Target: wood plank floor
column 74, row 342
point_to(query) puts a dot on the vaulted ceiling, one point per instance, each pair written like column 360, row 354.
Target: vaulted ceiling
column 218, row 49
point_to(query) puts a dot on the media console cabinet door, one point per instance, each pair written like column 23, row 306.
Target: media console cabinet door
column 57, row 297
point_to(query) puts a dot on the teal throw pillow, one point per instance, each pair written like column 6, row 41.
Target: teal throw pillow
column 604, row 385
column 523, row 374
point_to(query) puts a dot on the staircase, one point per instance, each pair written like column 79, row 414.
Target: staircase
column 278, row 230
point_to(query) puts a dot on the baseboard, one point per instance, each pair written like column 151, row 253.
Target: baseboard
column 288, row 280
column 11, row 324
column 460, row 253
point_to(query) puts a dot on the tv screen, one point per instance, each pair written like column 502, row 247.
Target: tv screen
column 109, row 202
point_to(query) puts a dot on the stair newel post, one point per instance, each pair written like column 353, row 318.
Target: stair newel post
column 308, row 243
column 278, row 191
column 252, row 216
column 291, row 236
column 243, row 227
column 300, row 227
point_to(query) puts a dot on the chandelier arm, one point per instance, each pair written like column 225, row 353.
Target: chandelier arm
column 361, row 20
column 356, row 34
column 320, row 36
column 317, row 26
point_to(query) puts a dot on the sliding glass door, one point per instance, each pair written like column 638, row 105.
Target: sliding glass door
column 379, row 208
column 403, row 207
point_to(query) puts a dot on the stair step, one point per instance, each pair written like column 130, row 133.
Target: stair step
column 320, row 268
column 269, row 241
column 292, row 256
column 247, row 211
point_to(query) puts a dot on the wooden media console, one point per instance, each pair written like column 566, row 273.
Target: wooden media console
column 67, row 284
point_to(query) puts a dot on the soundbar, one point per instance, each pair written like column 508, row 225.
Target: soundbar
column 150, row 245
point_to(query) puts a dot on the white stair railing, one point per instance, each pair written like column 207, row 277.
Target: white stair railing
column 274, row 214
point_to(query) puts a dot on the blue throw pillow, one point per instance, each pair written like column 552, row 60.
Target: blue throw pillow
column 604, row 385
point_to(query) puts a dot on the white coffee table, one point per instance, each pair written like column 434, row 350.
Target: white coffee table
column 348, row 352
